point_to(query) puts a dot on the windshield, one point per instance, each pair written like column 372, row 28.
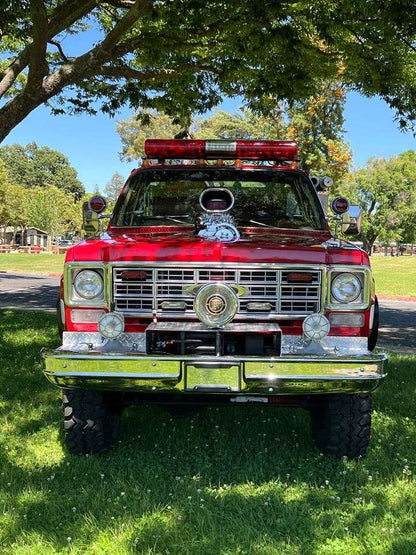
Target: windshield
column 271, row 198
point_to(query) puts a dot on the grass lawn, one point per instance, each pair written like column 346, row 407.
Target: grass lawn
column 243, row 480
column 395, row 276
column 32, row 263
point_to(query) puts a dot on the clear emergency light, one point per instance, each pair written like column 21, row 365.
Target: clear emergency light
column 221, row 149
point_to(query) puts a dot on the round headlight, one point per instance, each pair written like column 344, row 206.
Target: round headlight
column 346, row 288
column 111, row 325
column 88, row 284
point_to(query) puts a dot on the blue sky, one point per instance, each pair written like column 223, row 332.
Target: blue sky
column 92, row 144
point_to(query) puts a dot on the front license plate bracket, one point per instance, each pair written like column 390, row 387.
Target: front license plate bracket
column 212, row 377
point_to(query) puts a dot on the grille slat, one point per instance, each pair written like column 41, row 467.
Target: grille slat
column 140, row 290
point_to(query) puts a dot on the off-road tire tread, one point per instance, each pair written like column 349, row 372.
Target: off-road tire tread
column 91, row 424
column 341, row 426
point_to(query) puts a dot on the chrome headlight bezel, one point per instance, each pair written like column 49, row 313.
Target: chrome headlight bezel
column 72, row 296
column 361, row 301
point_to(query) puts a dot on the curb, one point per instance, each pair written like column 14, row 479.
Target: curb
column 395, row 349
column 398, row 299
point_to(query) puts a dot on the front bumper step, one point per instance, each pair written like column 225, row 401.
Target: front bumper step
column 289, row 374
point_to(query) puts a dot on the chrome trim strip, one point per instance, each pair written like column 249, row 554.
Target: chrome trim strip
column 138, row 357
column 220, row 265
column 218, row 148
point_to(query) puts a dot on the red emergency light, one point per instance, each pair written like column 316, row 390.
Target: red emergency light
column 220, row 149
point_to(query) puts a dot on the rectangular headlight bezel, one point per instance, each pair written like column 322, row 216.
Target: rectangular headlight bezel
column 71, row 296
column 365, row 277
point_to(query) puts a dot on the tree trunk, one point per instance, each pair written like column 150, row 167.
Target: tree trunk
column 14, row 112
column 368, row 242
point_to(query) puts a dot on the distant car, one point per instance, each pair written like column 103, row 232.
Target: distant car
column 65, row 243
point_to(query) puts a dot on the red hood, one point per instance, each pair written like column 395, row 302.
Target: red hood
column 300, row 247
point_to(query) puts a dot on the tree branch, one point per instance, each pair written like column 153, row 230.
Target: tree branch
column 125, row 72
column 38, row 66
column 372, row 206
column 63, row 17
column 90, row 62
column 407, row 43
column 120, row 3
column 60, row 50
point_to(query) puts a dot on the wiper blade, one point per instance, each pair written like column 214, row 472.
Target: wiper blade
column 263, row 225
column 170, row 218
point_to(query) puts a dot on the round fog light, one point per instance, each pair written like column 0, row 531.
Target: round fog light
column 316, row 326
column 111, row 325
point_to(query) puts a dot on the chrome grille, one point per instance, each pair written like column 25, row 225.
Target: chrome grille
column 139, row 290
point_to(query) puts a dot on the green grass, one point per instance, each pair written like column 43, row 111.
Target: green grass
column 395, row 276
column 242, row 480
column 32, row 263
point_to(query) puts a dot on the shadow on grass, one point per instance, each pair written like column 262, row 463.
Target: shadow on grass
column 227, row 480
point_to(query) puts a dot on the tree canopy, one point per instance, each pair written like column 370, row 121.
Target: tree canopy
column 316, row 123
column 32, row 166
column 39, row 187
column 386, row 191
column 183, row 56
column 47, row 208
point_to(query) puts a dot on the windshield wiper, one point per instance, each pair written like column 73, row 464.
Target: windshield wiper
column 306, row 226
column 263, row 225
column 170, row 218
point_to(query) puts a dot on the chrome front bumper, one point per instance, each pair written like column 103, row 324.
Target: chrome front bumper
column 334, row 365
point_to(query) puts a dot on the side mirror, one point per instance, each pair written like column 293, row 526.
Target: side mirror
column 351, row 220
column 91, row 211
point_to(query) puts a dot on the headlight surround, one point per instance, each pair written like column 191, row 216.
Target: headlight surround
column 88, row 284
column 346, row 287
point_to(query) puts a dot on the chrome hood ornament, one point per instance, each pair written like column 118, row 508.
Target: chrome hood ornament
column 218, row 224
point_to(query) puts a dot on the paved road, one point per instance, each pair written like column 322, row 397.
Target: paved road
column 397, row 318
column 28, row 292
column 397, row 324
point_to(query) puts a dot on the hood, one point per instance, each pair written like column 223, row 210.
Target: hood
column 260, row 246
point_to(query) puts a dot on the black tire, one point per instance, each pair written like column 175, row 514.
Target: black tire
column 372, row 340
column 91, row 421
column 341, row 425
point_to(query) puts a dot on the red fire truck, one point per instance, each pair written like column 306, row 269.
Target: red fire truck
column 218, row 281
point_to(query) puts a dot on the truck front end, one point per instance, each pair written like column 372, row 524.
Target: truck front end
column 218, row 282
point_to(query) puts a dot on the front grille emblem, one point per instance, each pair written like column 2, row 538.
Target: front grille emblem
column 216, row 305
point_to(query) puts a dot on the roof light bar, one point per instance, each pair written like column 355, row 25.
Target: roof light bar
column 217, row 149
